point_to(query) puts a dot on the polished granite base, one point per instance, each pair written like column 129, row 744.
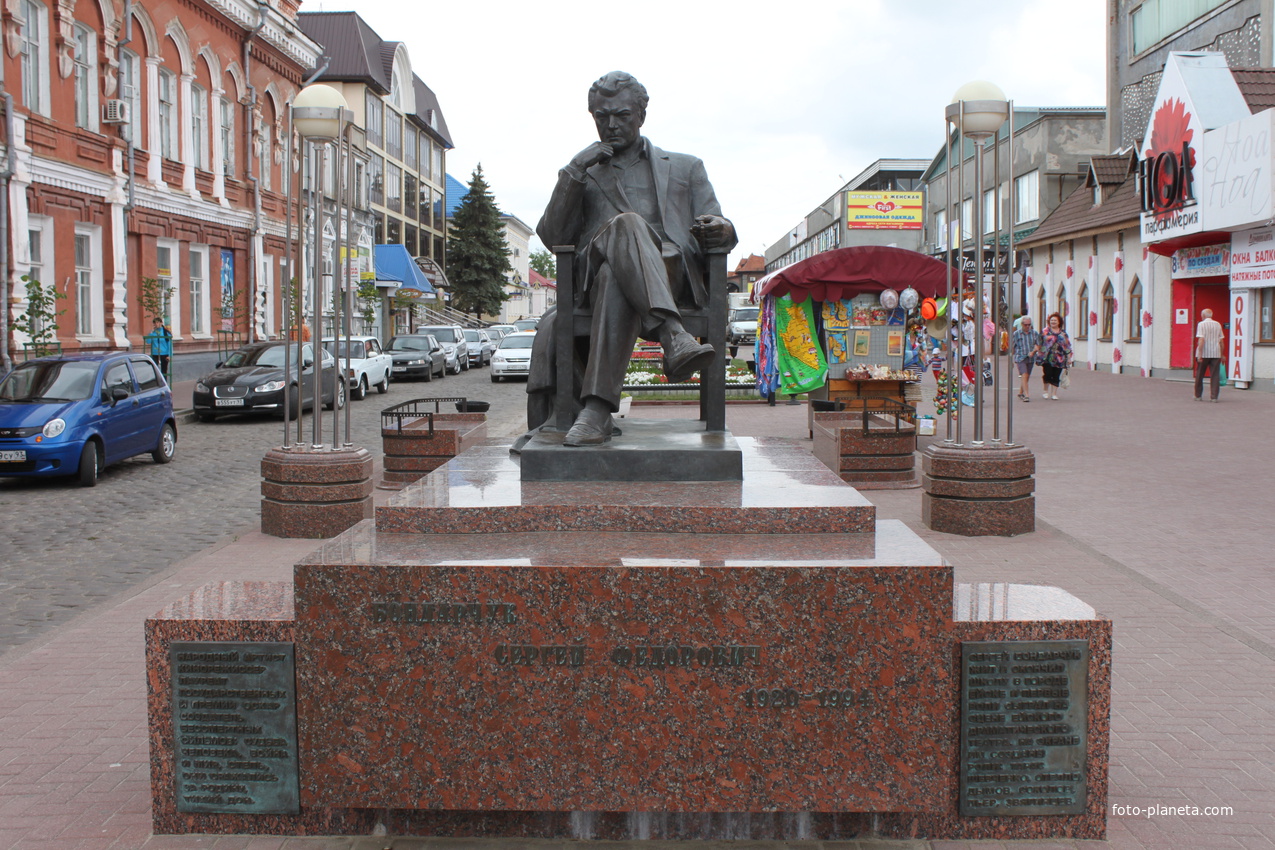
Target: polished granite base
column 647, row 450
column 509, row 659
column 784, row 491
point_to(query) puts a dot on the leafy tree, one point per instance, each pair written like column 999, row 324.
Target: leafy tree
column 545, row 264
column 477, row 256
column 40, row 320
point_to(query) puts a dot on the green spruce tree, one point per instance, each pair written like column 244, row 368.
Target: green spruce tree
column 477, row 256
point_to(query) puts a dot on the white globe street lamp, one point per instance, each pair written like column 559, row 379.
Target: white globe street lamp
column 978, row 110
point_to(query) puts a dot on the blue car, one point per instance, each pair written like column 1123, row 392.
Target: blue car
column 75, row 414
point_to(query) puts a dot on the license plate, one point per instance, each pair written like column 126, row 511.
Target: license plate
column 229, row 402
column 18, row 456
column 400, row 369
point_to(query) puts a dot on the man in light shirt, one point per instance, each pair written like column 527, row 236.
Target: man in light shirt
column 1208, row 355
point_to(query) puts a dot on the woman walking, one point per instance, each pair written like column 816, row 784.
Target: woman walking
column 1055, row 355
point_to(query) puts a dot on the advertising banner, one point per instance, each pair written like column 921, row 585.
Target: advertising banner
column 1203, row 261
column 1253, row 259
column 884, row 211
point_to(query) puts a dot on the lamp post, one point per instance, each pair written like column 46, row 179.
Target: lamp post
column 319, row 115
column 317, row 490
column 978, row 110
column 983, row 487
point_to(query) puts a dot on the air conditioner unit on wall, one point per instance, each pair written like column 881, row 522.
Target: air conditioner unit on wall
column 115, row 112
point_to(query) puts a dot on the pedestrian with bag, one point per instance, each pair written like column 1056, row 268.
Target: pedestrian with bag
column 1055, row 355
column 1026, row 344
column 1208, row 355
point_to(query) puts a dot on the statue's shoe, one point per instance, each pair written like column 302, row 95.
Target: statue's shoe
column 685, row 356
column 591, row 428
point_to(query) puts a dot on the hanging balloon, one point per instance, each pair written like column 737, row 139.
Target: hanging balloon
column 929, row 309
column 908, row 299
column 889, row 299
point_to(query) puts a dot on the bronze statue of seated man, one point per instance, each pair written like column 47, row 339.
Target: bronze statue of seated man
column 641, row 219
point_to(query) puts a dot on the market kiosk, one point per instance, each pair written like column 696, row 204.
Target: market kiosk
column 834, row 326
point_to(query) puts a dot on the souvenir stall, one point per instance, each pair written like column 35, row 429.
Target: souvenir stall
column 835, row 325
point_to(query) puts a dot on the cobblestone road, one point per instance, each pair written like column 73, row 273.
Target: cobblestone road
column 64, row 548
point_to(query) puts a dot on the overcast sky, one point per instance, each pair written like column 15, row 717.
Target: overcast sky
column 783, row 101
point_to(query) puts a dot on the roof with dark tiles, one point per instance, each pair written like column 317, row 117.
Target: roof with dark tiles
column 1078, row 215
column 356, row 53
column 1257, row 85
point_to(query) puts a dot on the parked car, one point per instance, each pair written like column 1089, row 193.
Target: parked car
column 75, row 414
column 480, row 345
column 499, row 332
column 513, row 356
column 251, row 380
column 527, row 324
column 453, row 339
column 417, row 356
column 369, row 364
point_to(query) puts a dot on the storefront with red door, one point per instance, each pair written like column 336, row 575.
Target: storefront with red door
column 1201, row 280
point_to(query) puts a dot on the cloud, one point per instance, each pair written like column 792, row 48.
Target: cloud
column 782, row 102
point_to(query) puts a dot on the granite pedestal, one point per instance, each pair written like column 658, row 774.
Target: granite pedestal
column 749, row 659
column 314, row 492
column 419, row 447
column 647, row 450
column 978, row 491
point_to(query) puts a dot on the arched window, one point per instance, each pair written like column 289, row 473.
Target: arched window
column 34, row 54
column 1135, row 312
column 1082, row 307
column 1060, row 304
column 1108, row 310
column 1040, row 307
column 86, row 78
column 131, row 93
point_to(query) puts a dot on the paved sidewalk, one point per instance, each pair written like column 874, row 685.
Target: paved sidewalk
column 1151, row 507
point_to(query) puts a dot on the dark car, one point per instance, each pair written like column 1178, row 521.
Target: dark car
column 251, row 380
column 76, row 414
column 417, row 356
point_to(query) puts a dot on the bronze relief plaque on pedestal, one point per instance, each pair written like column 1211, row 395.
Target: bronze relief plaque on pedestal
column 235, row 727
column 1024, row 726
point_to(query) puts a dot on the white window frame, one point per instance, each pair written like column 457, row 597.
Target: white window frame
column 197, row 293
column 89, row 287
column 989, row 211
column 131, row 93
column 169, row 136
column 967, row 219
column 226, row 127
column 265, row 171
column 199, row 127
column 1027, row 190
column 170, row 283
column 87, row 114
column 940, row 230
column 34, row 53
column 40, row 257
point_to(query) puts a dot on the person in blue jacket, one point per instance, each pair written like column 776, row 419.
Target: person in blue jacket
column 161, row 340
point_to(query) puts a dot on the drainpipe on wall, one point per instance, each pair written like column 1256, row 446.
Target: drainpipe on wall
column 132, row 131
column 6, row 362
column 250, row 109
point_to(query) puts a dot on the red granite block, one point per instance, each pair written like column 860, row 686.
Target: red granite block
column 412, row 452
column 979, row 518
column 223, row 611
column 611, row 688
column 968, row 462
column 985, row 488
column 315, row 493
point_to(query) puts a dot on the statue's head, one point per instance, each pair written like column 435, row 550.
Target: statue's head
column 617, row 102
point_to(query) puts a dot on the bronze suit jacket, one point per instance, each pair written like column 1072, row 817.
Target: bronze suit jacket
column 578, row 208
